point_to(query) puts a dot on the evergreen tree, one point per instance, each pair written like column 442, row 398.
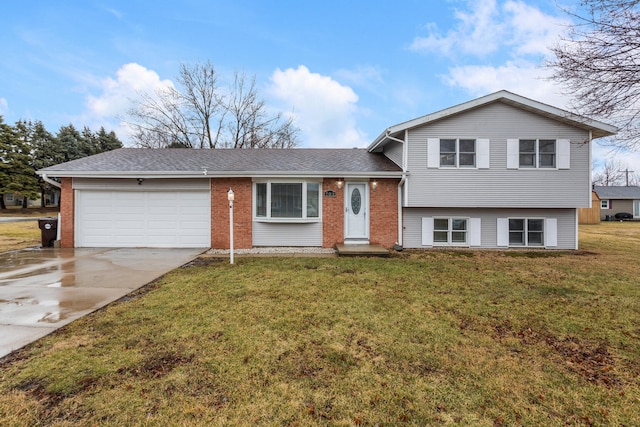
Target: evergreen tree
column 16, row 169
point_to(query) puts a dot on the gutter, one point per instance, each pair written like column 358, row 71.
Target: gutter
column 48, row 180
column 225, row 174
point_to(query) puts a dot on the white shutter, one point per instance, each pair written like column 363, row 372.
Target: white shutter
column 427, row 231
column 503, row 232
column 551, row 232
column 433, row 152
column 482, row 152
column 564, row 154
column 513, row 154
column 474, row 232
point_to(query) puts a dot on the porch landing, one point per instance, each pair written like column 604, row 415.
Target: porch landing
column 361, row 250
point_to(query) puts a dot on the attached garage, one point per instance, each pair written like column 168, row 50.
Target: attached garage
column 152, row 213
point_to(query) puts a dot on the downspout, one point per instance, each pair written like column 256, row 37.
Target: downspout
column 400, row 185
column 48, row 180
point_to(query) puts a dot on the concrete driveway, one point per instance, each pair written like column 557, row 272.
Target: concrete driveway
column 44, row 289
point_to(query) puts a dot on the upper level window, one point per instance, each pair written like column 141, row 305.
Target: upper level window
column 537, row 153
column 604, row 204
column 457, row 152
column 287, row 200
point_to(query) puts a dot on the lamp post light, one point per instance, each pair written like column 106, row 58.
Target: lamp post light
column 230, row 198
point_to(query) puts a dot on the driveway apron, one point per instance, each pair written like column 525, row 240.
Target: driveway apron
column 44, row 289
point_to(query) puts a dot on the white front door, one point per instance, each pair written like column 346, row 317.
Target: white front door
column 356, row 212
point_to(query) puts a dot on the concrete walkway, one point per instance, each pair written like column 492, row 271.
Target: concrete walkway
column 44, row 289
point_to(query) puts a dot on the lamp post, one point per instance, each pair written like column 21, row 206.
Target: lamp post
column 230, row 198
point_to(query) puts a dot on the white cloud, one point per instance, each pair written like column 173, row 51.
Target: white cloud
column 323, row 109
column 518, row 33
column 489, row 27
column 522, row 77
column 108, row 108
column 4, row 106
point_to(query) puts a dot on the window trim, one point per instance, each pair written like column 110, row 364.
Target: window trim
column 604, row 202
column 457, row 153
column 304, row 218
column 449, row 241
column 537, row 153
column 525, row 232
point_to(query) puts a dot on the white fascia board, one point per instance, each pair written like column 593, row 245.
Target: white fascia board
column 225, row 174
column 601, row 129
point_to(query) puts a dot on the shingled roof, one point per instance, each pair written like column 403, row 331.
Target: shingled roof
column 617, row 192
column 227, row 162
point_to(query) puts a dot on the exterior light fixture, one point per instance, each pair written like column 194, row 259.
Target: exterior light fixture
column 230, row 198
column 339, row 183
column 374, row 185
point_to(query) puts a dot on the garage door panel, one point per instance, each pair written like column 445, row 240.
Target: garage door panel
column 143, row 219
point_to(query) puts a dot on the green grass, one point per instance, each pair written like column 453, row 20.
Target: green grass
column 19, row 235
column 424, row 338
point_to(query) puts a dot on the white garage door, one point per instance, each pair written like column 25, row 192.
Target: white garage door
column 175, row 219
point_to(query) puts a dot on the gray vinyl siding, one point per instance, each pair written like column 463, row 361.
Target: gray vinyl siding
column 498, row 186
column 488, row 223
column 393, row 150
column 287, row 234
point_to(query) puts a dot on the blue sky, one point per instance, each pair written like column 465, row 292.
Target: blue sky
column 345, row 69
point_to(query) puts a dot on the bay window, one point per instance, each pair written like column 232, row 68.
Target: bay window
column 287, row 200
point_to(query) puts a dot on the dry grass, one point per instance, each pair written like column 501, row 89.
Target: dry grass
column 425, row 338
column 19, row 235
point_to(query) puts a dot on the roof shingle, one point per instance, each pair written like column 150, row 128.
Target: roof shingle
column 184, row 160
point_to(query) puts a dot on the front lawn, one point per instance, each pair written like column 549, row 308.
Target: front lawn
column 19, row 235
column 439, row 337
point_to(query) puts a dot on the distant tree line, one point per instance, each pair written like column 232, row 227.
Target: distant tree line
column 28, row 146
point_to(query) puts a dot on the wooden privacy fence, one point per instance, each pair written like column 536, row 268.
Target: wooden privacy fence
column 590, row 215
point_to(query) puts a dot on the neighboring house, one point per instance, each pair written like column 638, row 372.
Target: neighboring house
column 618, row 199
column 15, row 199
column 496, row 172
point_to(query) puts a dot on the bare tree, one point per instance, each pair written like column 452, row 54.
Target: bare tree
column 609, row 174
column 199, row 114
column 599, row 64
column 615, row 172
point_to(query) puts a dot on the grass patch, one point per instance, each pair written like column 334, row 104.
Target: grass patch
column 19, row 235
column 422, row 338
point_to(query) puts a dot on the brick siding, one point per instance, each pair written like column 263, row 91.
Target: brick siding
column 67, row 239
column 332, row 214
column 383, row 219
column 242, row 213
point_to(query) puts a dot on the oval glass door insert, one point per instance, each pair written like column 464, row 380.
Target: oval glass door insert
column 356, row 201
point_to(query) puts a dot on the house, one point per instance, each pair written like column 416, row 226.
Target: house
column 496, row 172
column 618, row 199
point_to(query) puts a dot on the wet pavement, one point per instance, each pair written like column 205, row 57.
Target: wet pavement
column 44, row 289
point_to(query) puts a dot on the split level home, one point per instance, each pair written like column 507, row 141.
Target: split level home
column 500, row 171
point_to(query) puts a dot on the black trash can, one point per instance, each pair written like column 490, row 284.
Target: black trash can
column 48, row 230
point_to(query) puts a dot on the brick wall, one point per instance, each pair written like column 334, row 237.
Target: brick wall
column 332, row 214
column 383, row 207
column 66, row 213
column 242, row 215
